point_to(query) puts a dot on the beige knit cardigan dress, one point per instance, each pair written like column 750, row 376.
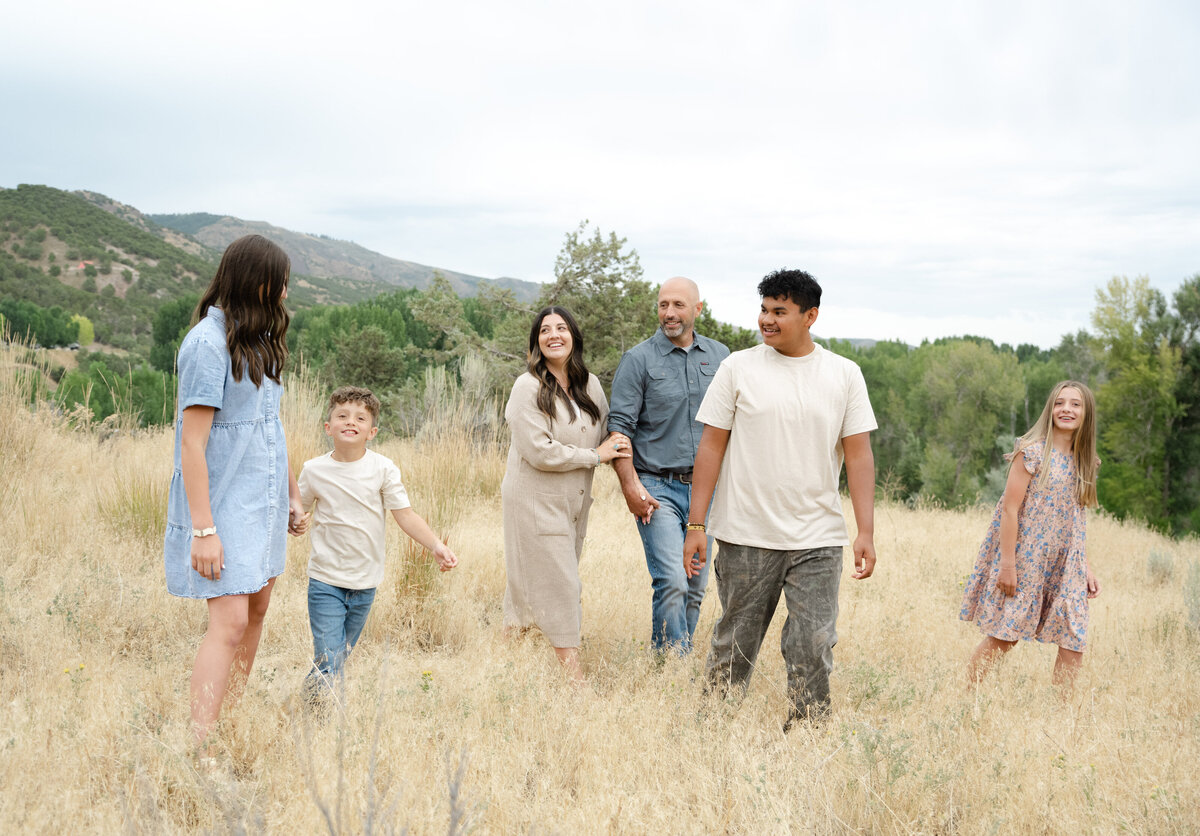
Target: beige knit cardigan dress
column 546, row 495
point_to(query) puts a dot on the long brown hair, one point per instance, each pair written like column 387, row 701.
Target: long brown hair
column 577, row 373
column 1083, row 441
column 248, row 288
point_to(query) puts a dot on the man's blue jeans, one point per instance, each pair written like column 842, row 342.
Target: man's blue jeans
column 675, row 607
column 336, row 616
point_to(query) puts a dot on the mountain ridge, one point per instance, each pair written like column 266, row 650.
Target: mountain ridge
column 326, row 257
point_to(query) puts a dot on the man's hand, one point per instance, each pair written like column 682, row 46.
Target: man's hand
column 864, row 556
column 639, row 501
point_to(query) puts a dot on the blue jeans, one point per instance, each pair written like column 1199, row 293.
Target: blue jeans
column 675, row 607
column 336, row 616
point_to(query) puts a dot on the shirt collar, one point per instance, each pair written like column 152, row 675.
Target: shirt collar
column 664, row 345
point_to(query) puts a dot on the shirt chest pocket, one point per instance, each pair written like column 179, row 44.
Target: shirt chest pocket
column 664, row 387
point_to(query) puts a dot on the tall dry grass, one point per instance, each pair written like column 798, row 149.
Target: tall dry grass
column 449, row 728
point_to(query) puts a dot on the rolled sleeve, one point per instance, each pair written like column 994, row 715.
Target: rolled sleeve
column 627, row 394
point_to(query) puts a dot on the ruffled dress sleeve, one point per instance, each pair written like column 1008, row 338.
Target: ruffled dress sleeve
column 1033, row 456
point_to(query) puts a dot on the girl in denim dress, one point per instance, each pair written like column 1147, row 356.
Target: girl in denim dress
column 1032, row 579
column 232, row 494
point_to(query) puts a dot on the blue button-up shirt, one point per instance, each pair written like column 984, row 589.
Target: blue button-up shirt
column 655, row 395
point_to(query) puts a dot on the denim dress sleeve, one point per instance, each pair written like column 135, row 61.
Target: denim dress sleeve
column 247, row 471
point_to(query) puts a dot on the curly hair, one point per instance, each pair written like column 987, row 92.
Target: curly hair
column 355, row 394
column 795, row 285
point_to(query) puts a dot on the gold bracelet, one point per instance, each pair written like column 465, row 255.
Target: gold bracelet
column 696, row 527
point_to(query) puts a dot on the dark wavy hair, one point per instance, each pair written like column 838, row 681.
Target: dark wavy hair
column 248, row 288
column 577, row 373
column 796, row 285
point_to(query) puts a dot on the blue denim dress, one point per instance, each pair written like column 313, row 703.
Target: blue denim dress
column 247, row 471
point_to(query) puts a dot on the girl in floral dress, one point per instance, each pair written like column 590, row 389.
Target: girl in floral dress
column 1032, row 579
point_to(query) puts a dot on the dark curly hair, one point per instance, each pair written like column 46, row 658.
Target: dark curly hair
column 577, row 373
column 796, row 285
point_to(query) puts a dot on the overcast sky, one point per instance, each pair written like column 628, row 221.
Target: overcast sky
column 940, row 167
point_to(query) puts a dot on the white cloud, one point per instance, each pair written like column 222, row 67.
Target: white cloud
column 947, row 167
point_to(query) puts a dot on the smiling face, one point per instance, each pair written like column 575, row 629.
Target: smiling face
column 1068, row 411
column 678, row 306
column 554, row 341
column 785, row 327
column 351, row 426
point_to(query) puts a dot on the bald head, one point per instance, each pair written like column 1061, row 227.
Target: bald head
column 678, row 306
column 681, row 286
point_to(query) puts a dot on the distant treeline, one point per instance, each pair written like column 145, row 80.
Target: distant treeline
column 947, row 410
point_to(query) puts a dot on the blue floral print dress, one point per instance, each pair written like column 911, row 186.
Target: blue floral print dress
column 247, row 471
column 1051, row 603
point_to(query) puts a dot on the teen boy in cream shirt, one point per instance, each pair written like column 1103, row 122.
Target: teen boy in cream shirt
column 778, row 419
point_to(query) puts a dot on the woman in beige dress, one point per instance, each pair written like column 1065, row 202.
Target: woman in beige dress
column 556, row 414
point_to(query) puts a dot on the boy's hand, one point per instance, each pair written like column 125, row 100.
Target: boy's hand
column 297, row 519
column 445, row 558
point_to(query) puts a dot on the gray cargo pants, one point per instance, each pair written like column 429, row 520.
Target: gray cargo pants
column 749, row 581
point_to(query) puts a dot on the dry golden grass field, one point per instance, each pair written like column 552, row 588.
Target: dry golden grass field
column 449, row 728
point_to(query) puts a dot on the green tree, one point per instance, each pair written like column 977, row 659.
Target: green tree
column 363, row 357
column 87, row 332
column 599, row 280
column 966, row 398
column 441, row 312
column 734, row 337
column 1183, row 453
column 171, row 323
column 1137, row 406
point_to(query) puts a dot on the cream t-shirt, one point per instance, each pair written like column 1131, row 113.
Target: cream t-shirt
column 350, row 503
column 778, row 485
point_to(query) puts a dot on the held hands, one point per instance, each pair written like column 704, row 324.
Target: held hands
column 616, row 446
column 208, row 556
column 639, row 501
column 695, row 552
column 1006, row 582
column 297, row 519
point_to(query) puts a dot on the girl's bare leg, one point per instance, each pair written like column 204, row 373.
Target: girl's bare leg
column 1066, row 666
column 985, row 656
column 568, row 657
column 227, row 620
column 247, row 649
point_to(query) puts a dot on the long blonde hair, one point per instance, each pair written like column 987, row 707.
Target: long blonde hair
column 1083, row 442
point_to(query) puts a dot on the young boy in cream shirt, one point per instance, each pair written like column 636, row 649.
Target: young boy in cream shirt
column 350, row 492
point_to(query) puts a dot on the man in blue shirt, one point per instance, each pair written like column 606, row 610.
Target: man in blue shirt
column 656, row 392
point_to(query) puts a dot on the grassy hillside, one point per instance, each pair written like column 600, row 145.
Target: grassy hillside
column 446, row 721
column 320, row 255
column 58, row 249
column 93, row 256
